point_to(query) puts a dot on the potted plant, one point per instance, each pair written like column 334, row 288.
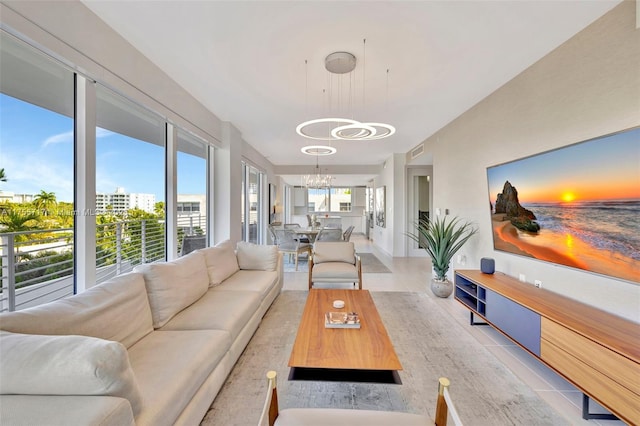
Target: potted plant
column 442, row 239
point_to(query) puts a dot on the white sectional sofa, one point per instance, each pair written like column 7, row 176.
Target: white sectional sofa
column 151, row 347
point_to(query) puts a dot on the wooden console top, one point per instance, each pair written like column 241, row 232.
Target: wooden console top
column 617, row 334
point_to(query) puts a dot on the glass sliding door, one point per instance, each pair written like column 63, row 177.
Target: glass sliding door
column 192, row 192
column 36, row 177
column 253, row 214
column 130, row 185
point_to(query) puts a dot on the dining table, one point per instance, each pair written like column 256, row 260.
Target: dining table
column 310, row 233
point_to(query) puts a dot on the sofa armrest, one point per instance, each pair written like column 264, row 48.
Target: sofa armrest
column 66, row 365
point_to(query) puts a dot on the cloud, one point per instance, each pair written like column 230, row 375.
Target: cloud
column 67, row 137
column 41, row 174
column 59, row 138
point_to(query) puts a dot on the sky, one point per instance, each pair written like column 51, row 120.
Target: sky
column 605, row 168
column 36, row 152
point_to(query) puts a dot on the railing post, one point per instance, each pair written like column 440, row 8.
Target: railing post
column 9, row 269
column 143, row 242
column 11, row 272
column 191, row 225
column 118, row 247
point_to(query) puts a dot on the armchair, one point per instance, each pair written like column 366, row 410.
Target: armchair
column 271, row 414
column 335, row 262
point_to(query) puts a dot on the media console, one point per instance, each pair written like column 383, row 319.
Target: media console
column 596, row 351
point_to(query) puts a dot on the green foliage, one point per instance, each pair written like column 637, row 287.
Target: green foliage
column 47, row 265
column 17, row 220
column 441, row 240
column 45, row 201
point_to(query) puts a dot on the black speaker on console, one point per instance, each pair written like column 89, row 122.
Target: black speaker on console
column 487, row 265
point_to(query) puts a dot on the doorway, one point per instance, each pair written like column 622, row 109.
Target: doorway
column 418, row 204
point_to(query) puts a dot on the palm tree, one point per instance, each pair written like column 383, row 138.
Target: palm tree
column 3, row 177
column 45, row 201
column 14, row 221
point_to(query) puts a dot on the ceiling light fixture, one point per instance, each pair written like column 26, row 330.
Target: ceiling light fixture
column 318, row 150
column 331, row 129
column 317, row 180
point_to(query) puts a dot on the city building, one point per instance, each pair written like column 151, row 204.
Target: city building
column 121, row 201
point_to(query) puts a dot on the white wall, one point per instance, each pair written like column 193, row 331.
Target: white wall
column 588, row 87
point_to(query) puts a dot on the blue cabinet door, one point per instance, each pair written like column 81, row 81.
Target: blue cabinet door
column 520, row 323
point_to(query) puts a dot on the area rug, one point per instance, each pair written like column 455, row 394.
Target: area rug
column 370, row 264
column 429, row 344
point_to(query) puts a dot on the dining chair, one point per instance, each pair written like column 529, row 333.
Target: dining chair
column 329, row 234
column 287, row 243
column 347, row 234
column 302, row 238
column 272, row 233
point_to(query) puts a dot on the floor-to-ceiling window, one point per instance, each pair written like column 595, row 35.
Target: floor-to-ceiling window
column 36, row 176
column 192, row 192
column 130, row 185
column 43, row 204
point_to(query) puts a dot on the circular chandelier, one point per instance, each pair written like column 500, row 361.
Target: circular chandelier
column 336, row 128
column 318, row 150
column 345, row 129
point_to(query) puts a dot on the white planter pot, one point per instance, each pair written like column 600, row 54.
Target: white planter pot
column 441, row 288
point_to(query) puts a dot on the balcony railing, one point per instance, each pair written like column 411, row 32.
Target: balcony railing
column 37, row 266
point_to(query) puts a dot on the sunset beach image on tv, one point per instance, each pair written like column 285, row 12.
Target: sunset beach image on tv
column 577, row 206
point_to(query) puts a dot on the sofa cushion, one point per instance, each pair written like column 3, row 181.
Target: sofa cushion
column 56, row 410
column 258, row 281
column 257, row 257
column 221, row 262
column 66, row 365
column 171, row 366
column 172, row 286
column 218, row 310
column 116, row 310
column 330, row 251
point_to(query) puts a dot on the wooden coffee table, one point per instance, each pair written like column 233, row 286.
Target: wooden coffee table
column 343, row 354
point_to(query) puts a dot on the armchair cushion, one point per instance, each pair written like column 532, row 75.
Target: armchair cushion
column 257, row 257
column 172, row 286
column 221, row 262
column 334, row 271
column 66, row 365
column 334, row 252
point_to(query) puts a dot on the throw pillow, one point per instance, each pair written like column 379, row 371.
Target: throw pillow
column 172, row 286
column 35, row 364
column 257, row 257
column 221, row 262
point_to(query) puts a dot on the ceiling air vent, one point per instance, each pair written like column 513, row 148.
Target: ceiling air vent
column 417, row 151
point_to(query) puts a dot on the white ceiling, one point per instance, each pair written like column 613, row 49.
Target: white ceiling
column 245, row 60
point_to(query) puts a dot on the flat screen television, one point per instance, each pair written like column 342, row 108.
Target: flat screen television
column 576, row 206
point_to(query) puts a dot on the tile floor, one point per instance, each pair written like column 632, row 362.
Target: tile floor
column 412, row 274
